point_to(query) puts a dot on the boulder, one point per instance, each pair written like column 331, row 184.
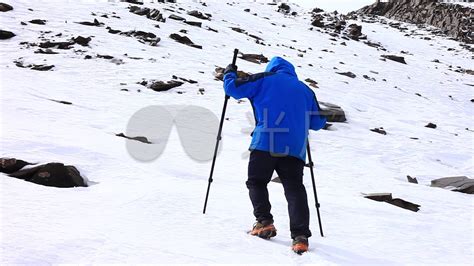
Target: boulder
column 4, row 34
column 53, row 175
column 219, row 73
column 199, row 15
column 462, row 184
column 38, row 21
column 157, row 85
column 412, row 179
column 332, row 112
column 10, row 165
column 399, row 59
column 184, row 40
column 5, row 7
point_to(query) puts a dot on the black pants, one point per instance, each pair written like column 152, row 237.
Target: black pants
column 290, row 170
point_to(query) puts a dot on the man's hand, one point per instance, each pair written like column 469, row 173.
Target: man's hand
column 230, row 68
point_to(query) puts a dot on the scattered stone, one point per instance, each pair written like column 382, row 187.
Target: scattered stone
column 175, row 17
column 412, row 179
column 45, row 51
column 38, row 21
column 239, row 30
column 20, row 63
column 143, row 37
column 200, row 15
column 379, row 130
column 194, row 23
column 354, row 32
column 399, row 59
column 53, row 175
column 153, row 14
column 247, row 10
column 4, row 34
column 136, row 2
column 431, row 125
column 95, row 23
column 462, row 184
column 62, row 102
column 138, row 138
column 5, row 7
column 185, row 80
column 161, row 85
column 82, row 40
column 348, row 74
column 284, row 8
column 312, row 83
column 211, row 29
column 184, row 40
column 332, row 112
column 57, row 45
column 10, row 165
column 387, row 197
column 254, row 58
column 219, row 73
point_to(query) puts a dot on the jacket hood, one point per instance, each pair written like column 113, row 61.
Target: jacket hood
column 280, row 65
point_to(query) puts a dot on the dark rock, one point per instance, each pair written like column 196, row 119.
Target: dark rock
column 247, row 10
column 354, row 32
column 284, row 8
column 184, row 40
column 5, row 7
column 45, row 51
column 95, row 23
column 332, row 112
column 317, row 10
column 211, row 29
column 143, row 37
column 239, row 30
column 58, row 45
column 38, row 21
column 446, row 17
column 318, row 23
column 136, row 2
column 105, row 56
column 431, row 125
column 194, row 23
column 199, row 15
column 183, row 31
column 153, row 14
column 379, row 130
column 348, row 74
column 185, row 80
column 312, row 83
column 254, row 58
column 219, row 73
column 61, row 102
column 42, row 67
column 82, row 40
column 458, row 183
column 52, row 174
column 399, row 59
column 161, row 85
column 10, row 165
column 4, row 34
column 387, row 197
column 412, row 179
column 138, row 138
column 175, row 17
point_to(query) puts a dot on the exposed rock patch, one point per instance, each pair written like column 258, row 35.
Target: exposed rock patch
column 20, row 63
column 4, row 35
column 387, row 197
column 332, row 112
column 161, row 85
column 5, row 7
column 219, row 73
column 184, row 40
column 95, row 23
column 379, row 130
column 153, row 14
column 51, row 174
column 458, row 183
column 254, row 58
column 38, row 21
column 200, row 15
column 399, row 59
column 138, row 138
column 347, row 74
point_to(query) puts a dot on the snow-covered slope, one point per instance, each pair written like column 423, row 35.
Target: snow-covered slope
column 152, row 212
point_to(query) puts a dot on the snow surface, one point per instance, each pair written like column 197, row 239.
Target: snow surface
column 152, row 212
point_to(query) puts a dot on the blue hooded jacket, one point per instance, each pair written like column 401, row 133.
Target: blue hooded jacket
column 284, row 108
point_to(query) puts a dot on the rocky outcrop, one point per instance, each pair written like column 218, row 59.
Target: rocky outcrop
column 453, row 20
column 387, row 197
column 332, row 112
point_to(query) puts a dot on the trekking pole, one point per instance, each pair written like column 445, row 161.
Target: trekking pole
column 236, row 51
column 314, row 188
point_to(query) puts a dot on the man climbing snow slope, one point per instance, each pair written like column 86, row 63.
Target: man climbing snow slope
column 285, row 109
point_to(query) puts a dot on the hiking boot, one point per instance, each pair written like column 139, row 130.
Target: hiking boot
column 264, row 229
column 300, row 244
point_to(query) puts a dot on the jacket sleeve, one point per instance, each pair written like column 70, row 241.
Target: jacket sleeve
column 242, row 87
column 317, row 120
